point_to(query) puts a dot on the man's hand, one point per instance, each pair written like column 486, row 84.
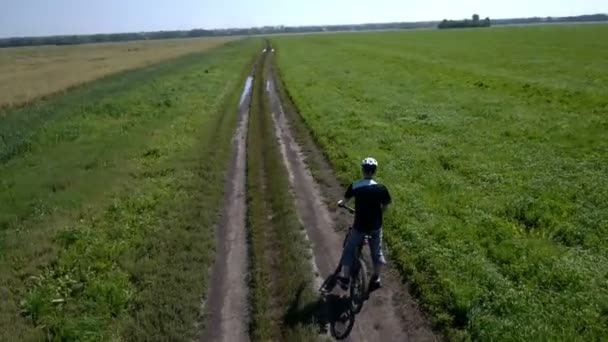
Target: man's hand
column 340, row 203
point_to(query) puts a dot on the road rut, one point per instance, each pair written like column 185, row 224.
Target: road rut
column 228, row 304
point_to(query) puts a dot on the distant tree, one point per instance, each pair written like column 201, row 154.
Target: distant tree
column 473, row 22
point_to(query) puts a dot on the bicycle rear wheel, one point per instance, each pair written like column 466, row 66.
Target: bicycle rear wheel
column 341, row 319
column 358, row 286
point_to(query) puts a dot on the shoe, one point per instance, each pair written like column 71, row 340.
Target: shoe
column 330, row 284
column 344, row 282
column 375, row 283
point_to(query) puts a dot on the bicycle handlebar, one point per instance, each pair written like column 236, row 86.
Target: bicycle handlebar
column 349, row 209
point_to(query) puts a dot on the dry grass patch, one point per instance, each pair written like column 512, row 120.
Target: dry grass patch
column 31, row 72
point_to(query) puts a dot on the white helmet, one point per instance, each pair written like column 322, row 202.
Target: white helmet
column 369, row 164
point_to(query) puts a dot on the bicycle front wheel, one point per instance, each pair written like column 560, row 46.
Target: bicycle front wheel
column 358, row 287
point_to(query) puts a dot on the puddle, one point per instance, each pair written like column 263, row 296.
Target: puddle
column 246, row 90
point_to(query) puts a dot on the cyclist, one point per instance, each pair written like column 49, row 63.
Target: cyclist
column 371, row 201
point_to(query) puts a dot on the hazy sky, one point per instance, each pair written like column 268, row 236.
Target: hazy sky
column 50, row 17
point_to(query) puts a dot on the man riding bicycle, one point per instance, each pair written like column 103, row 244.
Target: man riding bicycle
column 371, row 201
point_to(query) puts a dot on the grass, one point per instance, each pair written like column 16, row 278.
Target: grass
column 493, row 145
column 281, row 274
column 29, row 73
column 109, row 197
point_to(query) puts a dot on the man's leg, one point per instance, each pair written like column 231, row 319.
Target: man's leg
column 375, row 245
column 377, row 270
column 345, row 271
column 348, row 254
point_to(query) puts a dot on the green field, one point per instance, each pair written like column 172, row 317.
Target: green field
column 493, row 143
column 108, row 197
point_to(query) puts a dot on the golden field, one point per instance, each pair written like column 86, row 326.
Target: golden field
column 28, row 73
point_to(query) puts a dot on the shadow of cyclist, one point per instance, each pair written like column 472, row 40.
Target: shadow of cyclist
column 333, row 312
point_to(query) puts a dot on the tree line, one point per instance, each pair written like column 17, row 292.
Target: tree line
column 474, row 22
column 541, row 20
column 123, row 37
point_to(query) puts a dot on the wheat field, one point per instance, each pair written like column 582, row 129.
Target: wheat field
column 29, row 73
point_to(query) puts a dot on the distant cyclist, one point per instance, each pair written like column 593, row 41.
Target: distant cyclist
column 371, row 201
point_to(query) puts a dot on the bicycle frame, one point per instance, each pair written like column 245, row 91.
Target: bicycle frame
column 358, row 273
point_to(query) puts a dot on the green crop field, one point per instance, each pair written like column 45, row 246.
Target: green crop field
column 108, row 197
column 494, row 144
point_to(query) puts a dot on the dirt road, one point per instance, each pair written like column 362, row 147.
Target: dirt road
column 228, row 307
column 390, row 314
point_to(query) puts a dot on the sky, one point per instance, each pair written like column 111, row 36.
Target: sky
column 53, row 17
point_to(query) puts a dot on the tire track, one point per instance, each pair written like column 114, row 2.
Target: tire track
column 228, row 304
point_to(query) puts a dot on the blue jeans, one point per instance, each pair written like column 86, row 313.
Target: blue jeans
column 355, row 239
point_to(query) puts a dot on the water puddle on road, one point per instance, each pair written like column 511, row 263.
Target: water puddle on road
column 246, row 90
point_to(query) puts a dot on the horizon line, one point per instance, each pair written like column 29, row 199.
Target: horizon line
column 285, row 26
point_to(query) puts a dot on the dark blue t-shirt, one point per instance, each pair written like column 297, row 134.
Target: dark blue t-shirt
column 370, row 197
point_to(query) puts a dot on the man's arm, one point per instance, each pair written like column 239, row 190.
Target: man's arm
column 386, row 200
column 347, row 196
